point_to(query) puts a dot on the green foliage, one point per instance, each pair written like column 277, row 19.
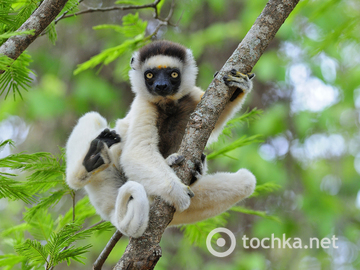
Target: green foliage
column 111, row 54
column 133, row 28
column 47, row 170
column 197, row 233
column 16, row 75
column 265, row 188
column 253, row 212
column 242, row 141
column 10, row 188
column 53, row 240
column 13, row 13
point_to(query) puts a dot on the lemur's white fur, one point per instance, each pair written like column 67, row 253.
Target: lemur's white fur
column 126, row 205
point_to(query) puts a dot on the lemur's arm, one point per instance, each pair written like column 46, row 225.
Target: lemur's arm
column 244, row 84
column 142, row 161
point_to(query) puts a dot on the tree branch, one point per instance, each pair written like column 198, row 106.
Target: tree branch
column 106, row 251
column 38, row 21
column 91, row 10
column 144, row 252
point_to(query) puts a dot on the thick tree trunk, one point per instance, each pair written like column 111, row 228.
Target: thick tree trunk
column 144, row 252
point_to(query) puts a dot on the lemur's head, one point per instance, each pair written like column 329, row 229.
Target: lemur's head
column 163, row 69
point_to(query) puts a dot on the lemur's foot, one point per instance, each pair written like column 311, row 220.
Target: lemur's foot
column 174, row 159
column 199, row 169
column 109, row 137
column 97, row 154
column 179, row 196
column 239, row 80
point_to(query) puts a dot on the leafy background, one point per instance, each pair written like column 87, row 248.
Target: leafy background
column 307, row 163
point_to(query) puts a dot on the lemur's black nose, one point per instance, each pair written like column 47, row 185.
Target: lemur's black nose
column 161, row 87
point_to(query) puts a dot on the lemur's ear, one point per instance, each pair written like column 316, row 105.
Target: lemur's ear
column 132, row 62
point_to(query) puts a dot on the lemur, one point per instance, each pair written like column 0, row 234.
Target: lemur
column 144, row 146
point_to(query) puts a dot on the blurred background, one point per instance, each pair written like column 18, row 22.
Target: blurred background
column 307, row 84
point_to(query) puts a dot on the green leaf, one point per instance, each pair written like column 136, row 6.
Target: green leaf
column 265, row 188
column 198, row 232
column 244, row 140
column 10, row 260
column 111, row 54
column 46, row 203
column 6, row 142
column 13, row 189
column 20, row 33
column 247, row 117
column 51, row 32
column 41, row 225
column 16, row 75
column 132, row 26
column 33, row 250
column 253, row 212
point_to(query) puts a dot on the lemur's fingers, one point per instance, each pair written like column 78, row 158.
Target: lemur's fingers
column 241, row 81
column 179, row 195
column 174, row 159
column 109, row 137
column 93, row 159
column 199, row 169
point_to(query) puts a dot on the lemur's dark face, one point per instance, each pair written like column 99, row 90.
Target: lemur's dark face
column 162, row 81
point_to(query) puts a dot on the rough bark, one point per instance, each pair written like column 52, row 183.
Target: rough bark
column 38, row 22
column 144, row 252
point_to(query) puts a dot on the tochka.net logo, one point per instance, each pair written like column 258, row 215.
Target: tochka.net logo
column 266, row 243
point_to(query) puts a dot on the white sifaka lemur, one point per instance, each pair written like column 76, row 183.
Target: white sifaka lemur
column 144, row 146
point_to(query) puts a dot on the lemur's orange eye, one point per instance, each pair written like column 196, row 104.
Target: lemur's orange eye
column 174, row 75
column 149, row 75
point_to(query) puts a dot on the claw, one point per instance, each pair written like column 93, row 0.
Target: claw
column 190, row 193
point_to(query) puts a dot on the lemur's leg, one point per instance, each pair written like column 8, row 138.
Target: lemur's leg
column 131, row 213
column 98, row 153
column 243, row 83
column 215, row 194
column 88, row 127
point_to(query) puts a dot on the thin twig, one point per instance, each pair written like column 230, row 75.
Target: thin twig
column 92, row 226
column 73, row 205
column 107, row 250
column 66, row 12
column 163, row 22
column 166, row 21
column 91, row 10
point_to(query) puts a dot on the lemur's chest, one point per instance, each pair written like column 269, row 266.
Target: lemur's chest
column 171, row 123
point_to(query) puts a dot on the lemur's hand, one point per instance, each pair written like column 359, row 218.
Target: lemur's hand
column 179, row 196
column 98, row 152
column 174, row 159
column 239, row 80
